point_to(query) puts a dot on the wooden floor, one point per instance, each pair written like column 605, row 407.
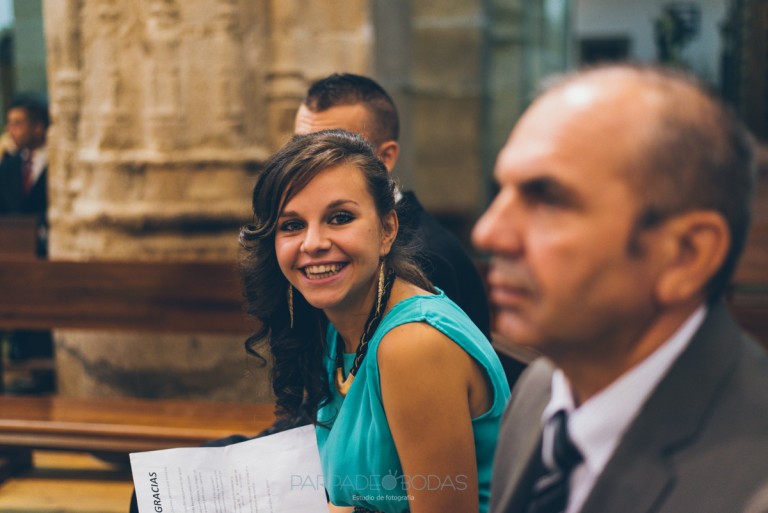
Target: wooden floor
column 66, row 482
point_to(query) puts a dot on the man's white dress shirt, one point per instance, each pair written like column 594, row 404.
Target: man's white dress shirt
column 596, row 427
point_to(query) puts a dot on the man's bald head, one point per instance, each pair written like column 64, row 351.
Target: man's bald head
column 690, row 152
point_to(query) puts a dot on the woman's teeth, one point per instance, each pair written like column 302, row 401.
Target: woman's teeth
column 318, row 272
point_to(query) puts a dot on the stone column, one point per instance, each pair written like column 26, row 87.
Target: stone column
column 447, row 109
column 285, row 81
column 163, row 111
column 455, row 70
column 309, row 40
column 506, row 80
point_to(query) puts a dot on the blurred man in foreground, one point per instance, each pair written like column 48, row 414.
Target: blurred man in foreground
column 623, row 208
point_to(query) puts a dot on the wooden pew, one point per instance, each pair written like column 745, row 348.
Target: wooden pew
column 134, row 296
column 123, row 425
column 17, row 237
column 194, row 297
column 750, row 308
column 112, row 428
column 749, row 295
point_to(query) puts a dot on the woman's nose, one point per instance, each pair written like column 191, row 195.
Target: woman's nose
column 315, row 239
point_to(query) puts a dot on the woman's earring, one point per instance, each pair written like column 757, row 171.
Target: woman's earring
column 290, row 303
column 381, row 289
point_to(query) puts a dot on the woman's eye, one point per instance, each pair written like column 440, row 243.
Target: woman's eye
column 290, row 226
column 341, row 218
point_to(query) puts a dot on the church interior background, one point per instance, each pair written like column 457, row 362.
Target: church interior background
column 164, row 110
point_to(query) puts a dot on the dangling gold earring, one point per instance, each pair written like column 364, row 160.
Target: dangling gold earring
column 290, row 303
column 381, row 288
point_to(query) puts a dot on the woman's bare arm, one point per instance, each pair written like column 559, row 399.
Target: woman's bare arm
column 430, row 389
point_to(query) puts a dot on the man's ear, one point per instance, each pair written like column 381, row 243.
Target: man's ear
column 390, row 226
column 694, row 248
column 388, row 152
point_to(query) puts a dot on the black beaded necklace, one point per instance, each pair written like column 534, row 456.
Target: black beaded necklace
column 374, row 318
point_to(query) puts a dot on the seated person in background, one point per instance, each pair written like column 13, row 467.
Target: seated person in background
column 23, row 191
column 399, row 382
column 360, row 105
column 24, row 165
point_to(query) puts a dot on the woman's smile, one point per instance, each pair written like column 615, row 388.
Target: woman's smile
column 321, row 271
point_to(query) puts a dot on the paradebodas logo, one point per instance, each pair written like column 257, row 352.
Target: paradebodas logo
column 389, row 482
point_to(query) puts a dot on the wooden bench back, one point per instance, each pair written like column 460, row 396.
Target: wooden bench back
column 135, row 296
column 194, row 297
column 18, row 237
column 123, row 425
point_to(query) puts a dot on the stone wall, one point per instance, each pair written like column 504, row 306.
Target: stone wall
column 163, row 111
column 447, row 103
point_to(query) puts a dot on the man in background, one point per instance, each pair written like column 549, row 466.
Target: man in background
column 24, row 165
column 23, row 191
column 623, row 208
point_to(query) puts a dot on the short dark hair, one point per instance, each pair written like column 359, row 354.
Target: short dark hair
column 35, row 107
column 350, row 89
column 692, row 159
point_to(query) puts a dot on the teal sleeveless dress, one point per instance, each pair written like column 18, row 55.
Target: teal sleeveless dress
column 359, row 459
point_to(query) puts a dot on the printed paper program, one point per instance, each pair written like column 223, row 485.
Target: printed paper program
column 248, row 477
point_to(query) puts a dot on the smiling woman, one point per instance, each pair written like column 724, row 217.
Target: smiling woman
column 330, row 241
column 405, row 392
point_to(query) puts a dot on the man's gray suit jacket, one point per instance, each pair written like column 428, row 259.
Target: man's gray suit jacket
column 698, row 445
